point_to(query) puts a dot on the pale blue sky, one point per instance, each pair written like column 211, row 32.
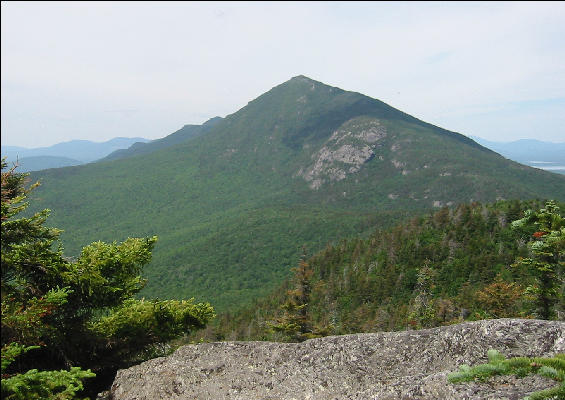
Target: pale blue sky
column 97, row 70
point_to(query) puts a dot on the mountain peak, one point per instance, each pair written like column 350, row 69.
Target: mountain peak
column 302, row 78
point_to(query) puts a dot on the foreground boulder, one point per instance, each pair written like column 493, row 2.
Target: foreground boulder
column 387, row 365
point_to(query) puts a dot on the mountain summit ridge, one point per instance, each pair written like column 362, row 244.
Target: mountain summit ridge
column 379, row 106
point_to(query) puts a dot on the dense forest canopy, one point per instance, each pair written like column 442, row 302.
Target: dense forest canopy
column 468, row 262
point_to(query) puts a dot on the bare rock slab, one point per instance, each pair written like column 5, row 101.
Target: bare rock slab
column 387, row 365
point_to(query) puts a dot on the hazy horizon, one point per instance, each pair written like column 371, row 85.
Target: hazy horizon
column 130, row 137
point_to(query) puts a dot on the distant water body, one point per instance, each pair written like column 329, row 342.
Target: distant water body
column 548, row 166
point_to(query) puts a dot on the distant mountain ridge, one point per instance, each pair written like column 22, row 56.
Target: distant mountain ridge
column 185, row 133
column 37, row 163
column 69, row 153
column 303, row 164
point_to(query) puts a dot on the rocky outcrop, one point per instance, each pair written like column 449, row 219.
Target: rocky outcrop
column 349, row 147
column 388, row 365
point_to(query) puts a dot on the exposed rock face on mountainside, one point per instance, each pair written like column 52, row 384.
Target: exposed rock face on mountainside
column 349, row 147
column 391, row 365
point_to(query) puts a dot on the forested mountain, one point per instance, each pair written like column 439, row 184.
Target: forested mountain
column 303, row 164
column 37, row 163
column 436, row 269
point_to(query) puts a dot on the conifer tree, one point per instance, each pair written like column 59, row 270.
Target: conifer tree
column 61, row 318
column 423, row 311
column 27, row 298
column 295, row 323
column 547, row 257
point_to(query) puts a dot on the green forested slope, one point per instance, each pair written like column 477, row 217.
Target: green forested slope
column 434, row 269
column 233, row 207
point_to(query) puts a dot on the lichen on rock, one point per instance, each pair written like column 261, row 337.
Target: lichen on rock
column 385, row 365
